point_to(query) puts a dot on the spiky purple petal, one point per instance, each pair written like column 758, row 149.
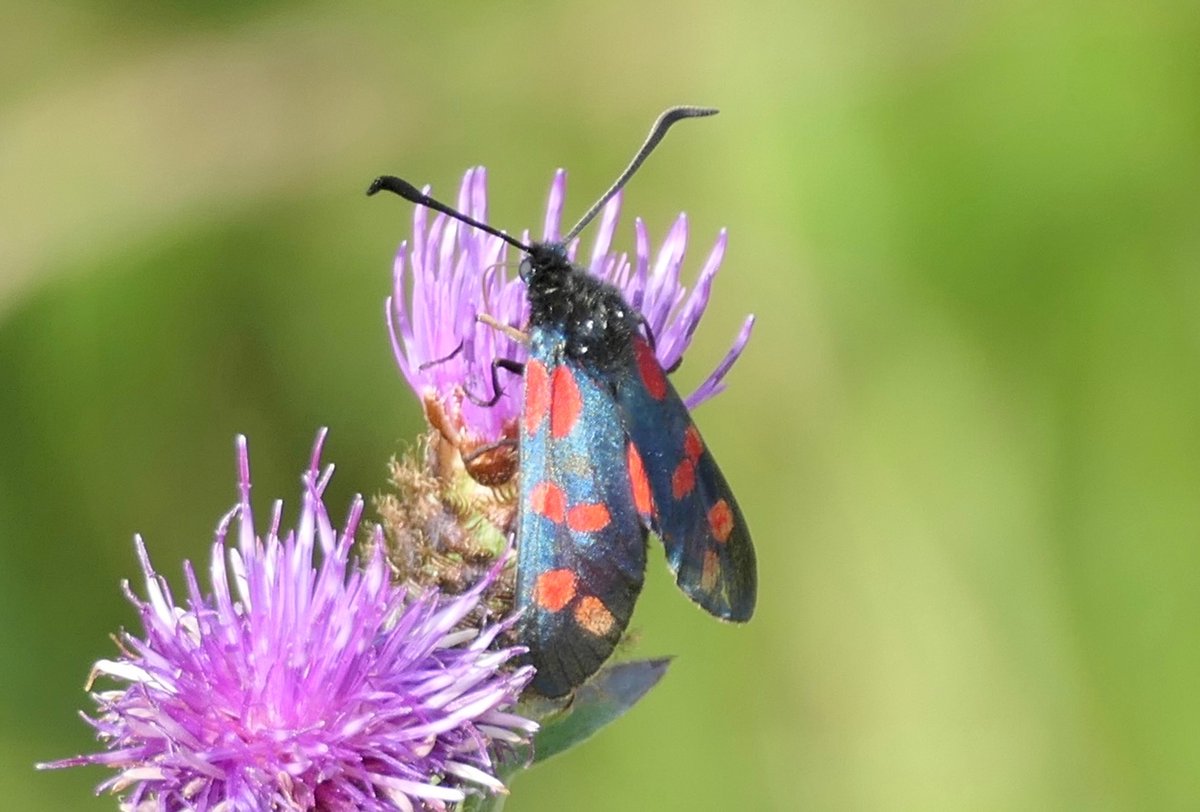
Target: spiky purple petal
column 299, row 682
column 453, row 273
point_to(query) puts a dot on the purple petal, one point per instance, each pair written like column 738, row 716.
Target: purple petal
column 453, row 273
column 713, row 385
column 604, row 233
column 286, row 686
column 671, row 348
column 554, row 207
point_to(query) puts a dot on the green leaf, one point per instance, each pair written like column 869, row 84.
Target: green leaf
column 484, row 803
column 603, row 699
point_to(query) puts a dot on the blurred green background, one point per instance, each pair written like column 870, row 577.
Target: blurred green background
column 966, row 433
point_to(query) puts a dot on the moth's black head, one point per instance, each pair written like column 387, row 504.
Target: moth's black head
column 544, row 262
column 590, row 316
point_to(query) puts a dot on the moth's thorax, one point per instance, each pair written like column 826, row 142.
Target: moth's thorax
column 595, row 322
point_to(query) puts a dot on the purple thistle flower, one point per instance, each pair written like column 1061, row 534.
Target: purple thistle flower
column 453, row 272
column 298, row 685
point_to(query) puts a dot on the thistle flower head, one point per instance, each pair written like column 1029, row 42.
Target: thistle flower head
column 451, row 273
column 301, row 684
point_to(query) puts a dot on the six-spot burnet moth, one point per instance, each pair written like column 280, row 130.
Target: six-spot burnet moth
column 607, row 452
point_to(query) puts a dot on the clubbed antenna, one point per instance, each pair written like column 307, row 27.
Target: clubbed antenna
column 664, row 122
column 398, row 186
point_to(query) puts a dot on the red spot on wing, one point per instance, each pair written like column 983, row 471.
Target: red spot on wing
column 710, row 571
column 693, row 446
column 554, row 589
column 651, row 371
column 588, row 518
column 642, row 499
column 593, row 616
column 537, row 394
column 548, row 499
column 565, row 402
column 683, row 481
column 720, row 519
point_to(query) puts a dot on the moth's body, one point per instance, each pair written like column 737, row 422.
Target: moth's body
column 608, row 452
column 596, row 324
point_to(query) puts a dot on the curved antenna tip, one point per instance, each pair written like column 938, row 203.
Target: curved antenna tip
column 401, row 187
column 690, row 111
column 398, row 186
column 657, row 131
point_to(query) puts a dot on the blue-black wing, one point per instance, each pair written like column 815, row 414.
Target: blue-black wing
column 581, row 545
column 693, row 510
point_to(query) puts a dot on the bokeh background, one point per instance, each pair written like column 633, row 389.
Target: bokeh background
column 967, row 430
